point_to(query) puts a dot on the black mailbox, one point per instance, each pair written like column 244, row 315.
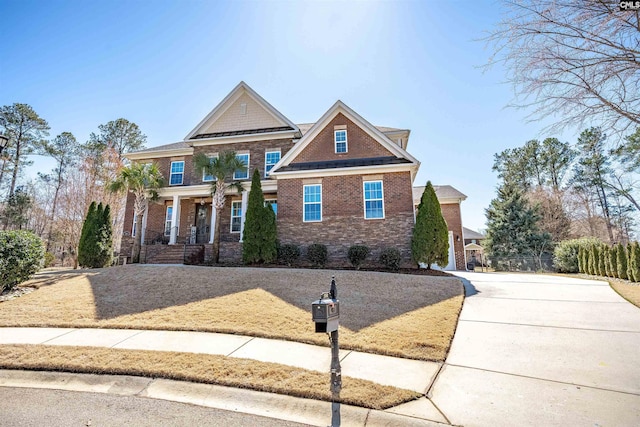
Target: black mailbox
column 325, row 312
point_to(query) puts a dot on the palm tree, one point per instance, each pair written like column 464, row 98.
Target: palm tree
column 221, row 168
column 143, row 180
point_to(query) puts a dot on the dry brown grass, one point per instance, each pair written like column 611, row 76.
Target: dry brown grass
column 394, row 314
column 209, row 369
column 629, row 291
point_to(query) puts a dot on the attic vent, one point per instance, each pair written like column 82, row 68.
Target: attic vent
column 243, row 108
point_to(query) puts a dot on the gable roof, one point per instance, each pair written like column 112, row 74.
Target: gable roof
column 304, row 128
column 471, row 234
column 338, row 108
column 199, row 132
column 445, row 194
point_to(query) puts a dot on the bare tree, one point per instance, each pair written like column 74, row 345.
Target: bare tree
column 575, row 62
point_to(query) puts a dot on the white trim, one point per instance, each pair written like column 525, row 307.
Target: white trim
column 133, row 226
column 247, row 165
column 266, row 174
column 171, row 172
column 314, row 203
column 364, row 200
column 245, row 202
column 232, row 217
column 204, row 190
column 175, row 220
column 168, row 220
column 337, row 108
column 335, row 141
column 226, row 103
column 144, row 155
column 358, row 170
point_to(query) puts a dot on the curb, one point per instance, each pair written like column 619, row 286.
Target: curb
column 295, row 409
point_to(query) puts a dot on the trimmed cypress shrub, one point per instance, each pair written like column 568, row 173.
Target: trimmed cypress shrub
column 585, row 260
column 601, row 268
column 629, row 268
column 613, row 260
column 317, row 253
column 87, row 237
column 634, row 262
column 259, row 239
column 578, row 261
column 621, row 258
column 357, row 254
column 430, row 240
column 607, row 260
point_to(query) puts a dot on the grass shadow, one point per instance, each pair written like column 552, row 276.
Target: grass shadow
column 366, row 298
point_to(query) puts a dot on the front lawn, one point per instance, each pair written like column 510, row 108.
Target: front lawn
column 394, row 314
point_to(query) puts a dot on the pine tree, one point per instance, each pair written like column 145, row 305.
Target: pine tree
column 430, row 241
column 88, row 231
column 621, row 258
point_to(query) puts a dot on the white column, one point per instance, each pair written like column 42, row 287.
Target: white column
column 175, row 220
column 144, row 222
column 245, row 198
column 213, row 223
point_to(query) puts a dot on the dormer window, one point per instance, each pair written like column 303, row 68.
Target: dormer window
column 340, row 138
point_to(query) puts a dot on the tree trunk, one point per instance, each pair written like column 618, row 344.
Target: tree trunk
column 135, row 255
column 216, row 237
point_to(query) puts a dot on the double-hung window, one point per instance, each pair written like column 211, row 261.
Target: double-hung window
column 270, row 159
column 177, row 173
column 240, row 174
column 208, row 178
column 373, row 200
column 312, row 205
column 340, row 138
column 236, row 216
column 167, row 221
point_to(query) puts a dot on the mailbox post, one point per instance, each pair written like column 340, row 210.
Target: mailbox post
column 325, row 313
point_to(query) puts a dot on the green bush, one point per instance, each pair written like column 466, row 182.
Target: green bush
column 613, row 261
column 621, row 258
column 634, row 262
column 390, row 258
column 566, row 253
column 21, row 255
column 317, row 253
column 49, row 259
column 357, row 254
column 288, row 254
column 95, row 246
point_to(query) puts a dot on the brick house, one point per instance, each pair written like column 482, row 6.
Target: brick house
column 340, row 181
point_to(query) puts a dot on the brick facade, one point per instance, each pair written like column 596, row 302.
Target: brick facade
column 359, row 144
column 343, row 222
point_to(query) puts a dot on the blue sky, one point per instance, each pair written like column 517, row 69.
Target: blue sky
column 165, row 64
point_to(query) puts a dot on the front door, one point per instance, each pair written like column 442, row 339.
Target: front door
column 202, row 223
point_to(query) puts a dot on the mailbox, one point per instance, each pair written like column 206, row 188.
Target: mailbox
column 325, row 312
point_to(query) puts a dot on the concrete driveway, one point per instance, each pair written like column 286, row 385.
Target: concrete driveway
column 542, row 350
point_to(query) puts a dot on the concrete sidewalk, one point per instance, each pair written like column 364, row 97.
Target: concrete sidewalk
column 402, row 373
column 542, row 350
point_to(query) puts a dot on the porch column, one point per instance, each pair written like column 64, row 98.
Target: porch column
column 144, row 222
column 245, row 198
column 214, row 213
column 175, row 220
